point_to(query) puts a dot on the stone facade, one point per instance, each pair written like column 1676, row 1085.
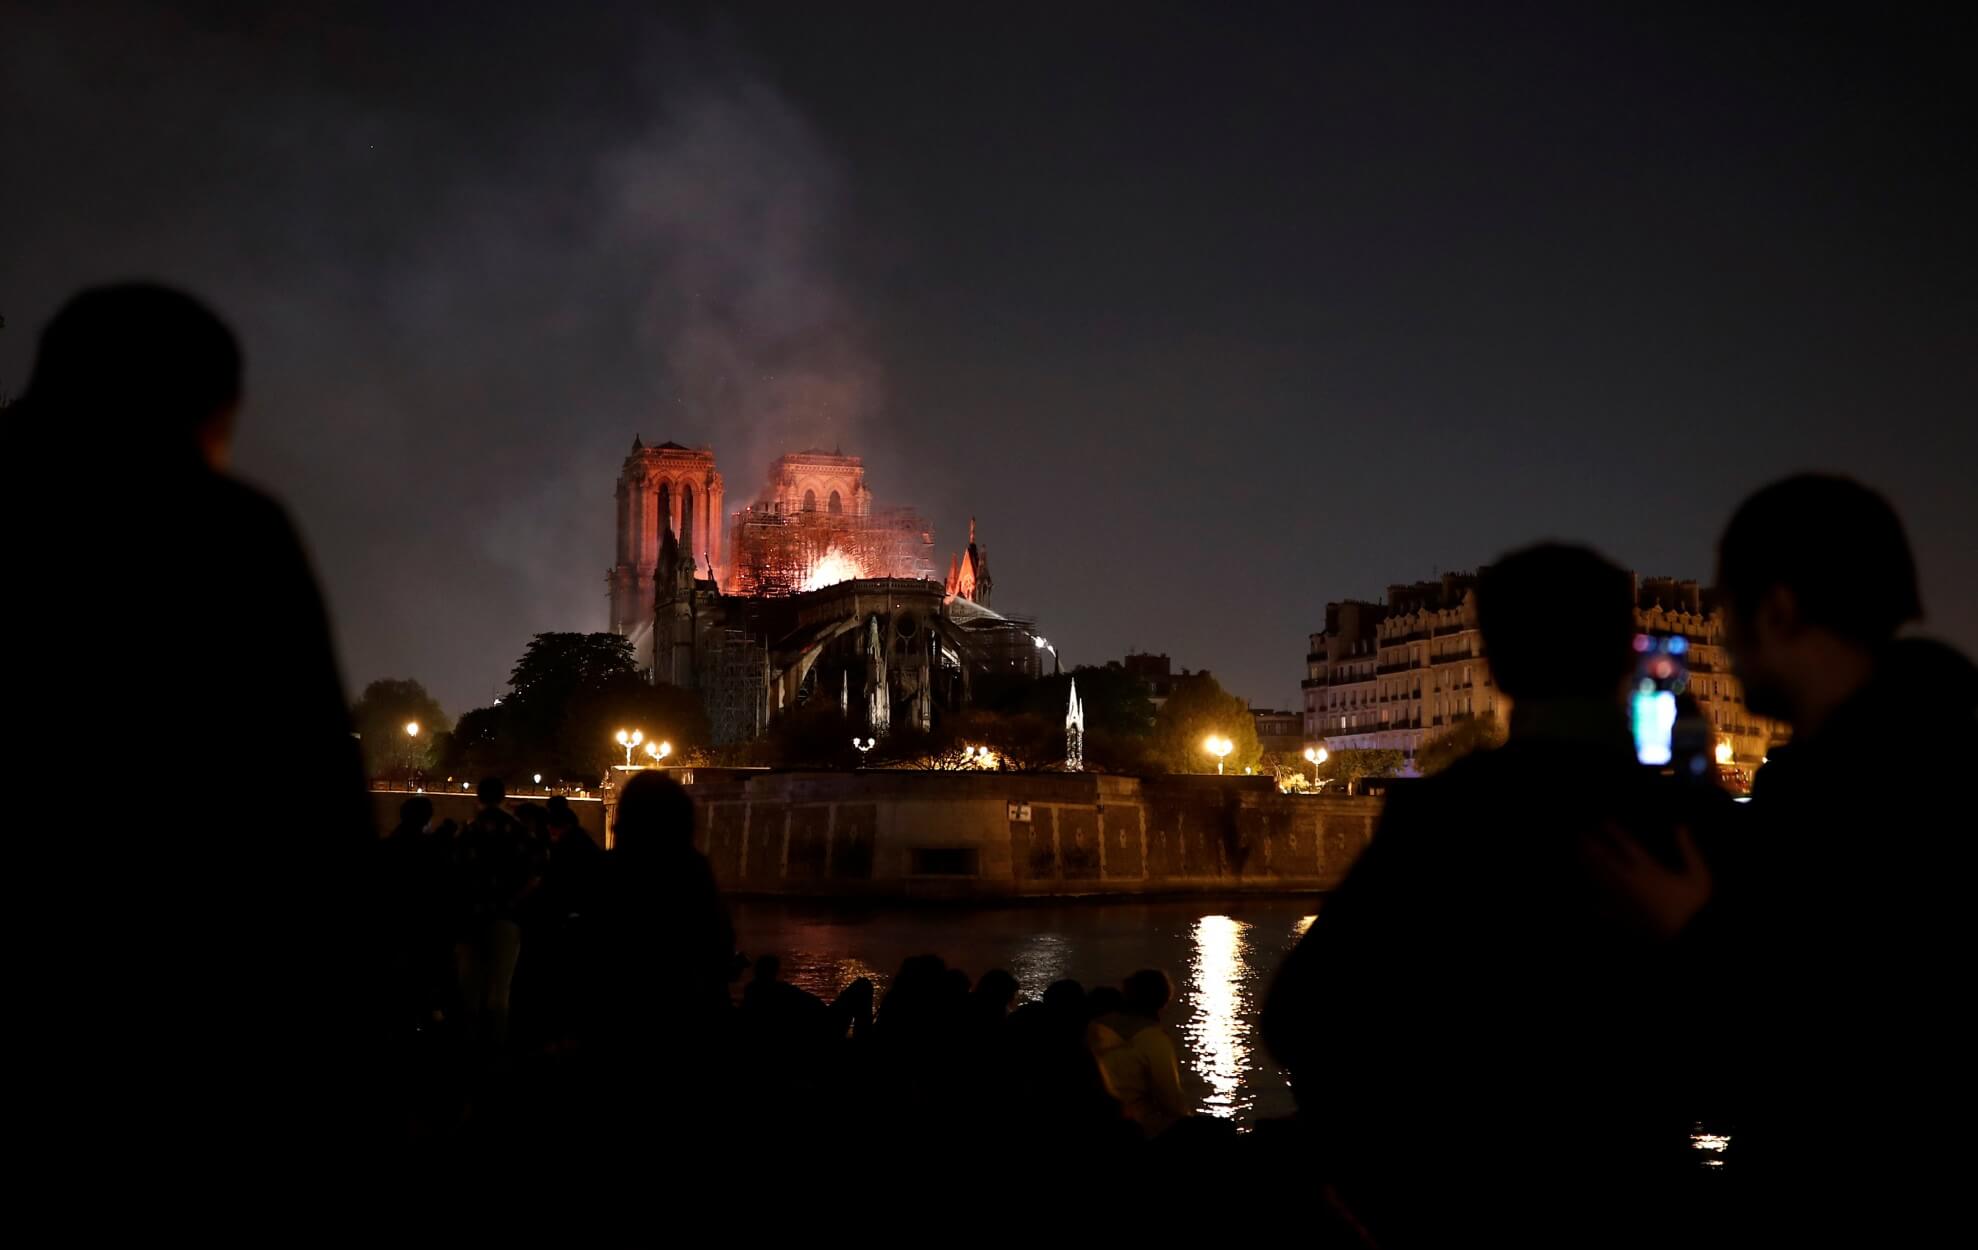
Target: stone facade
column 962, row 835
column 1280, row 732
column 1388, row 675
column 664, row 490
column 818, row 481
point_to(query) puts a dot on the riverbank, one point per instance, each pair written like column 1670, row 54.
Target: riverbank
column 976, row 837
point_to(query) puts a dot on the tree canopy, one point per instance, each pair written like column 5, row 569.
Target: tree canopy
column 1198, row 708
column 1440, row 750
column 1343, row 768
column 380, row 717
column 568, row 697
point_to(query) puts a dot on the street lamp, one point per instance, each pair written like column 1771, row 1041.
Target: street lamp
column 539, row 779
column 659, row 750
column 629, row 739
column 1316, row 756
column 864, row 745
column 411, row 751
column 1726, row 753
column 1218, row 746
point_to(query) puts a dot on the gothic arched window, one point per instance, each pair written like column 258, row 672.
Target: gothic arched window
column 835, row 505
column 810, row 501
column 687, row 518
column 665, row 513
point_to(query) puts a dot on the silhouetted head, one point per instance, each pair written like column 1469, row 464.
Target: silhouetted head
column 1104, row 1000
column 655, row 817
column 858, row 996
column 954, row 985
column 1811, row 568
column 767, row 968
column 1146, row 992
column 1557, row 622
column 416, row 812
column 1066, row 996
column 533, row 818
column 492, row 791
column 997, row 988
column 145, row 366
column 561, row 817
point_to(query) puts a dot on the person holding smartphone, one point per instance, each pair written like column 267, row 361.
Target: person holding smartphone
column 1480, row 1027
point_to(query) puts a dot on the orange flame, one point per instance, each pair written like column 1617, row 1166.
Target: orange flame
column 832, row 567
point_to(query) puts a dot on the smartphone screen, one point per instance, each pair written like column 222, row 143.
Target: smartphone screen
column 1660, row 675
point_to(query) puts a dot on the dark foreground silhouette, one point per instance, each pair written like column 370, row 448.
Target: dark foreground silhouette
column 1545, row 969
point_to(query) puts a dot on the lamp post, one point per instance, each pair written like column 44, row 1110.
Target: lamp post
column 411, row 751
column 629, row 738
column 1316, row 756
column 863, row 745
column 1218, row 746
column 659, row 750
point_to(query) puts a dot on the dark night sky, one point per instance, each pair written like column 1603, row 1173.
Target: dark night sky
column 1209, row 313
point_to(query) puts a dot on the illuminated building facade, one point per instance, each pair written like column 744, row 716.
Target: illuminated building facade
column 1386, row 675
column 815, row 595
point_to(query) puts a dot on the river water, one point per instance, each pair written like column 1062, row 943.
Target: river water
column 1221, row 956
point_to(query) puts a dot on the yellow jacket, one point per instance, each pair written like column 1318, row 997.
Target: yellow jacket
column 1139, row 1062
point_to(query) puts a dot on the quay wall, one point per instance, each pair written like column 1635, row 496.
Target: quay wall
column 957, row 835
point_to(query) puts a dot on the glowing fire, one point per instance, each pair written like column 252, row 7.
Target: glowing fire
column 832, row 567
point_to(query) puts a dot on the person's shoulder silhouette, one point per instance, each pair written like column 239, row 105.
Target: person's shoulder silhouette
column 205, row 600
column 1468, row 963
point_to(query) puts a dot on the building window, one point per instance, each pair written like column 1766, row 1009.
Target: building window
column 810, row 501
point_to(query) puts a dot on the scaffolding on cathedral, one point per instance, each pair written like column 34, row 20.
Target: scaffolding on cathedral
column 775, row 552
column 734, row 681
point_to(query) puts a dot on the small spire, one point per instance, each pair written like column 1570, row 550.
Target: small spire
column 636, row 444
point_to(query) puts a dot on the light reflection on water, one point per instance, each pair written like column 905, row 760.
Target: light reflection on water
column 1221, row 959
column 1220, row 955
column 1218, row 1028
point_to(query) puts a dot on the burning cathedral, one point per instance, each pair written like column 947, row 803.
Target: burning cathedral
column 807, row 592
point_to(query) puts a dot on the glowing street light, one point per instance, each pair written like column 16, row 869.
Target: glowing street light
column 864, row 745
column 1218, row 746
column 539, row 779
column 1726, row 753
column 659, row 750
column 629, row 738
column 411, row 752
column 1316, row 756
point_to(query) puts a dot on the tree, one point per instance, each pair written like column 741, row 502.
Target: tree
column 1021, row 741
column 568, row 697
column 380, row 717
column 1440, row 750
column 1199, row 708
column 1116, row 702
column 1343, row 768
column 817, row 736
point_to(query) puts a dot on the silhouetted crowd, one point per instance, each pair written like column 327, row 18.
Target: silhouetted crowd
column 527, row 963
column 1549, row 965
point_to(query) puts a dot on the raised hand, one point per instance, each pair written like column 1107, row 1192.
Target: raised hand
column 1660, row 899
